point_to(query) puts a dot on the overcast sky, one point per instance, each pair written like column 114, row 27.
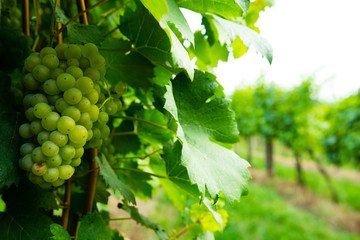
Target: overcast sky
column 307, row 36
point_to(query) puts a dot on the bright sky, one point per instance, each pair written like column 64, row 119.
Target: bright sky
column 307, row 36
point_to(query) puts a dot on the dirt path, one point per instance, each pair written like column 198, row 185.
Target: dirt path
column 335, row 172
column 340, row 217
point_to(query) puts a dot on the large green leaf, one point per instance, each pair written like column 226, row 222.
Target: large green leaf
column 204, row 117
column 24, row 217
column 129, row 67
column 9, row 138
column 112, row 180
column 93, row 227
column 247, row 35
column 225, row 8
column 156, row 42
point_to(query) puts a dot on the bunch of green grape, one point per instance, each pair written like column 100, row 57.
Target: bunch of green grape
column 61, row 109
column 10, row 14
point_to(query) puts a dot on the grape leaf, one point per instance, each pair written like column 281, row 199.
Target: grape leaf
column 225, row 8
column 130, row 67
column 157, row 133
column 59, row 233
column 157, row 43
column 201, row 118
column 80, row 33
column 157, row 8
column 247, row 35
column 144, row 221
column 93, row 227
column 17, row 222
column 9, row 138
column 112, row 180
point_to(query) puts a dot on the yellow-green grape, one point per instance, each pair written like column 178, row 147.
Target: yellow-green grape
column 27, row 100
column 25, row 131
column 60, row 50
column 36, row 127
column 41, row 110
column 61, row 105
column 58, row 138
column 41, row 73
column 49, row 121
column 73, row 51
column 54, row 161
column 39, row 169
column 42, row 137
column 75, row 72
column 37, row 155
column 26, row 162
column 49, row 149
column 46, row 51
column 29, row 114
column 78, row 135
column 38, row 98
column 72, row 96
column 30, row 82
column 65, row 81
column 51, row 175
column 65, row 124
column 67, row 152
column 26, row 148
column 51, row 61
column 66, row 171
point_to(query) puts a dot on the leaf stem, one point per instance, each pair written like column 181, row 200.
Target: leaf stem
column 123, row 133
column 186, row 229
column 116, row 50
column 112, row 31
column 143, row 121
column 141, row 157
column 120, row 219
column 142, row 172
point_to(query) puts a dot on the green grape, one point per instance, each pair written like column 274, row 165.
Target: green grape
column 65, row 81
column 118, row 103
column 30, row 82
column 39, row 169
column 35, row 179
column 97, row 62
column 84, row 105
column 66, row 171
column 41, row 110
column 43, row 136
column 46, row 51
column 51, row 61
column 102, row 97
column 50, row 87
column 76, row 162
column 60, row 50
column 38, row 98
column 84, row 63
column 77, row 145
column 102, row 71
column 58, row 138
column 54, row 73
column 111, row 107
column 72, row 96
column 53, row 98
column 105, row 131
column 49, row 121
column 73, row 62
column 92, row 73
column 94, row 113
column 25, row 130
column 45, row 185
column 51, row 175
column 61, row 105
column 103, row 117
column 49, row 149
column 90, row 50
column 93, row 96
column 79, row 152
column 31, row 61
column 63, row 65
column 26, row 148
column 26, row 163
column 58, row 182
column 27, row 100
column 90, row 135
column 73, row 51
column 65, row 124
column 41, row 73
column 37, row 155
column 72, row 112
column 35, row 127
column 78, row 135
column 96, row 133
column 85, row 120
column 67, row 152
column 75, row 72
column 97, row 88
column 118, row 90
column 54, row 161
column 84, row 84
column 29, row 114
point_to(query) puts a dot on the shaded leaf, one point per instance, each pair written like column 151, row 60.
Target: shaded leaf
column 129, row 67
column 92, row 226
column 112, row 180
column 159, row 45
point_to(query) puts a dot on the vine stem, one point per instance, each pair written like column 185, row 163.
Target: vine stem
column 81, row 13
column 67, row 201
column 186, row 229
column 59, row 36
column 91, row 186
column 25, row 17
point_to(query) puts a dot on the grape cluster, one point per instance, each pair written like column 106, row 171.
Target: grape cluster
column 64, row 85
column 10, row 14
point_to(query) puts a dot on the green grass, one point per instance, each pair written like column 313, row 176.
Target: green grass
column 348, row 191
column 263, row 214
